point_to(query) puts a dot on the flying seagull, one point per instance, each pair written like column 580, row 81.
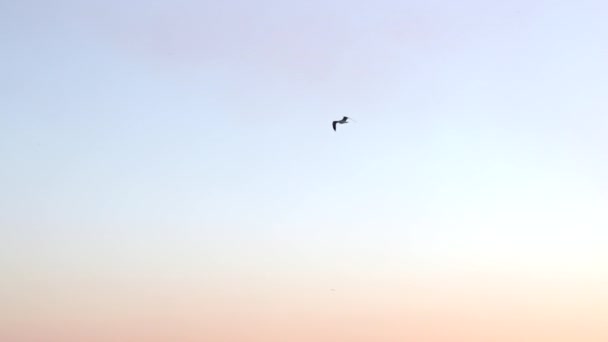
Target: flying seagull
column 343, row 121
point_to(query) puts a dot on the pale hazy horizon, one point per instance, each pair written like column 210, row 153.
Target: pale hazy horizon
column 169, row 171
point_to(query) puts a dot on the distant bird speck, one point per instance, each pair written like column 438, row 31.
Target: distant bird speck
column 343, row 121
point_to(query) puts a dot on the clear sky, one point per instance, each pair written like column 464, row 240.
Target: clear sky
column 169, row 171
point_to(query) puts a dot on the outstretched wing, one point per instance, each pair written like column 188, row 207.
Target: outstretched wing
column 345, row 118
column 333, row 124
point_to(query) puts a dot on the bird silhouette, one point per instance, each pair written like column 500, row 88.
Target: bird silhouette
column 343, row 121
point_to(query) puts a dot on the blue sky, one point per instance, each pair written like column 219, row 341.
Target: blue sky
column 203, row 130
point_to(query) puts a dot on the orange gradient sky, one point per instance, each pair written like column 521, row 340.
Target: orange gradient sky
column 169, row 171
